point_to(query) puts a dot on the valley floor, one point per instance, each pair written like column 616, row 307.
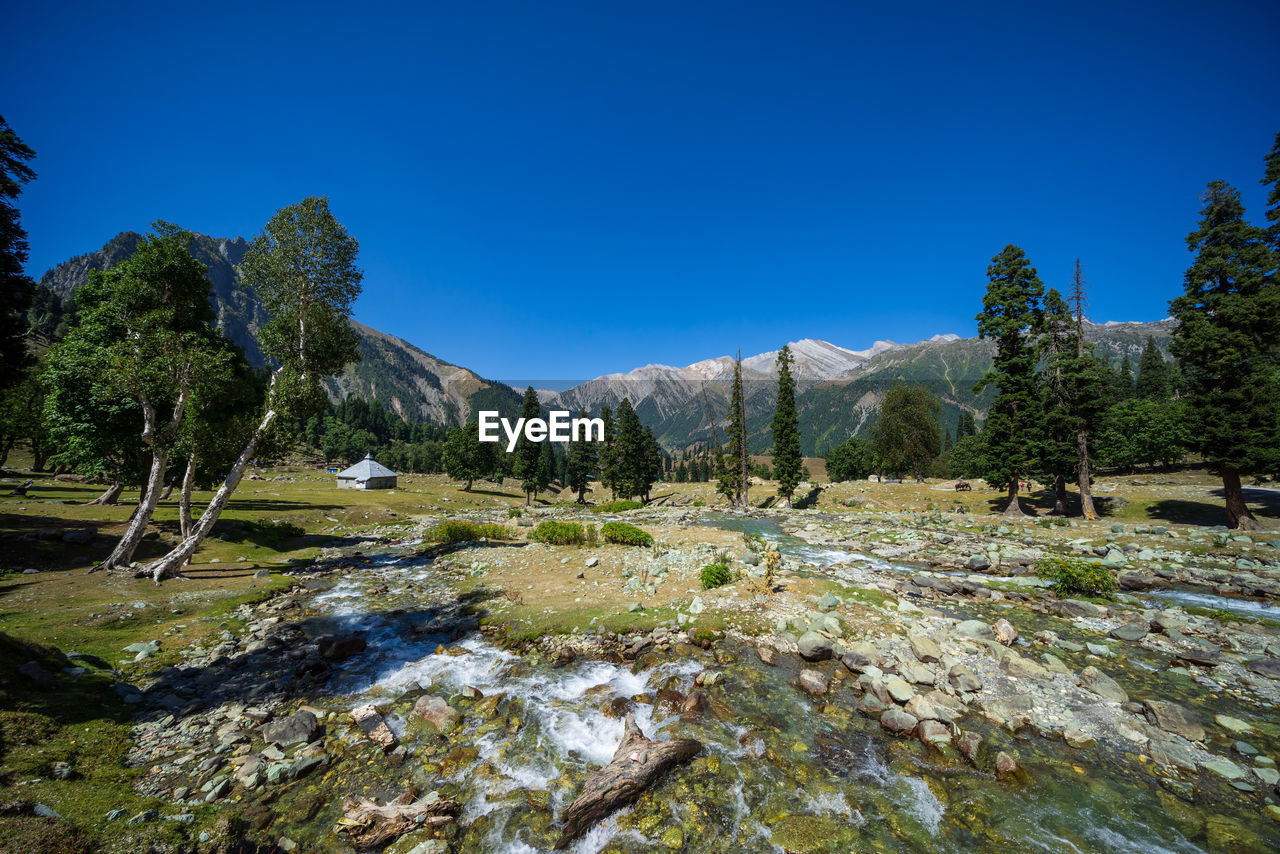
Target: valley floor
column 906, row 684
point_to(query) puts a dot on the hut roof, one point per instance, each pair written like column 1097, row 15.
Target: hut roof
column 366, row 469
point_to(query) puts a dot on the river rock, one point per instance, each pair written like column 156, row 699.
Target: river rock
column 896, row 721
column 1006, row 766
column 1171, row 717
column 1079, row 608
column 979, row 562
column 1005, row 710
column 917, row 673
column 1129, row 631
column 871, row 705
column 815, row 647
column 922, row 708
column 1269, row 667
column 436, row 712
column 1233, row 725
column 1136, row 581
column 963, row 678
column 925, row 649
column 813, row 683
column 933, row 732
column 1004, row 631
column 1093, row 679
column 1079, row 739
column 968, row 745
column 1167, row 621
column 338, row 647
column 374, row 727
column 975, row 629
column 298, row 728
column 767, row 654
column 1224, row 768
column 1023, row 668
column 860, row 655
column 899, row 690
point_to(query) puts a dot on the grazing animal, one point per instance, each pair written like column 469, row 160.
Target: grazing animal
column 963, row 486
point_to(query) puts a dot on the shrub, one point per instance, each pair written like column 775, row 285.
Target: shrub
column 1071, row 576
column 715, row 575
column 559, row 533
column 514, row 512
column 593, row 536
column 460, row 532
column 618, row 506
column 624, row 534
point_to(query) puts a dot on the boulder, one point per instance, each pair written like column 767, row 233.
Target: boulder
column 979, row 562
column 1078, row 608
column 436, row 712
column 974, row 629
column 1269, row 667
column 37, row 674
column 1130, row 580
column 1093, row 679
column 964, row 679
column 899, row 690
column 338, row 647
column 898, row 722
column 968, row 745
column 1004, row 631
column 1167, row 621
column 1023, row 668
column 815, row 647
column 374, row 727
column 1006, row 766
column 298, row 728
column 925, row 649
column 813, row 683
column 1129, row 631
column 859, row 655
column 1171, row 717
column 933, row 732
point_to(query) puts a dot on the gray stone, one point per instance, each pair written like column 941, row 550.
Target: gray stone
column 813, row 683
column 436, row 712
column 1023, row 668
column 1224, row 768
column 299, row 728
column 1004, row 631
column 964, row 679
column 1093, row 679
column 860, row 655
column 979, row 562
column 975, row 629
column 37, row 674
column 815, row 647
column 896, row 721
column 899, row 690
column 925, row 649
column 1079, row 608
column 1129, row 631
column 1233, row 725
column 1269, row 667
column 1174, row 718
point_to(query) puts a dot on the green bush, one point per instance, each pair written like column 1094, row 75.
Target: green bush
column 1073, row 577
column 559, row 533
column 618, row 506
column 461, row 532
column 624, row 534
column 514, row 512
column 715, row 575
column 593, row 536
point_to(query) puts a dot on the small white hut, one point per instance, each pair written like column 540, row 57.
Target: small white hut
column 367, row 474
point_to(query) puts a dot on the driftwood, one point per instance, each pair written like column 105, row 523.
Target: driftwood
column 637, row 764
column 371, row 825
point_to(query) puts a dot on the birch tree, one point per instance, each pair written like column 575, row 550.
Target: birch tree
column 303, row 266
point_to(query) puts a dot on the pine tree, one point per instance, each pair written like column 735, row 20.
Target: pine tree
column 465, row 457
column 582, row 461
column 1227, row 341
column 609, row 453
column 630, row 453
column 652, row 463
column 788, row 466
column 732, row 467
column 1010, row 309
column 1124, row 379
column 547, row 465
column 528, row 454
column 1153, row 374
column 1090, row 391
column 1058, row 453
column 1271, row 177
column 16, row 287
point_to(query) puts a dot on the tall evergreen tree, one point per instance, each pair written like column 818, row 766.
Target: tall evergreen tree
column 1271, row 178
column 465, row 457
column 608, row 453
column 528, row 454
column 788, row 466
column 652, row 464
column 1124, row 379
column 1153, row 382
column 583, row 458
column 1089, row 390
column 547, row 465
column 1010, row 309
column 16, row 287
column 733, row 468
column 630, row 452
column 1228, row 343
column 1059, row 454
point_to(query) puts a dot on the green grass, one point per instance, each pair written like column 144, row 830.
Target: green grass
column 618, row 506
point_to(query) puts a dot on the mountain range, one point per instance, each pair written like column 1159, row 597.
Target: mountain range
column 838, row 389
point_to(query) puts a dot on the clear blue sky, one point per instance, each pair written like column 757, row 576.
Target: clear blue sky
column 554, row 191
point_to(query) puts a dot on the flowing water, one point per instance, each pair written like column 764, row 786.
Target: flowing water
column 778, row 771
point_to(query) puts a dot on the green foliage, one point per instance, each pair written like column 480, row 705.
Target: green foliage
column 465, row 457
column 715, row 575
column 788, row 467
column 1074, row 577
column 533, row 475
column 452, row 531
column 559, row 533
column 16, row 287
column 968, row 458
column 635, row 461
column 583, row 459
column 1144, row 432
column 625, row 535
column 1010, row 309
column 514, row 512
column 732, row 465
column 907, row 434
column 621, row 506
column 1226, row 339
column 852, row 459
column 1155, row 378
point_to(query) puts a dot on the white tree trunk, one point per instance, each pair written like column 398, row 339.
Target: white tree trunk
column 184, row 500
column 170, row 564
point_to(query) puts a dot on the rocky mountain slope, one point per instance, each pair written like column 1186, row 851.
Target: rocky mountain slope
column 408, row 380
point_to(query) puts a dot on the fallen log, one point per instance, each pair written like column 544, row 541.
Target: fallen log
column 371, row 825
column 636, row 765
